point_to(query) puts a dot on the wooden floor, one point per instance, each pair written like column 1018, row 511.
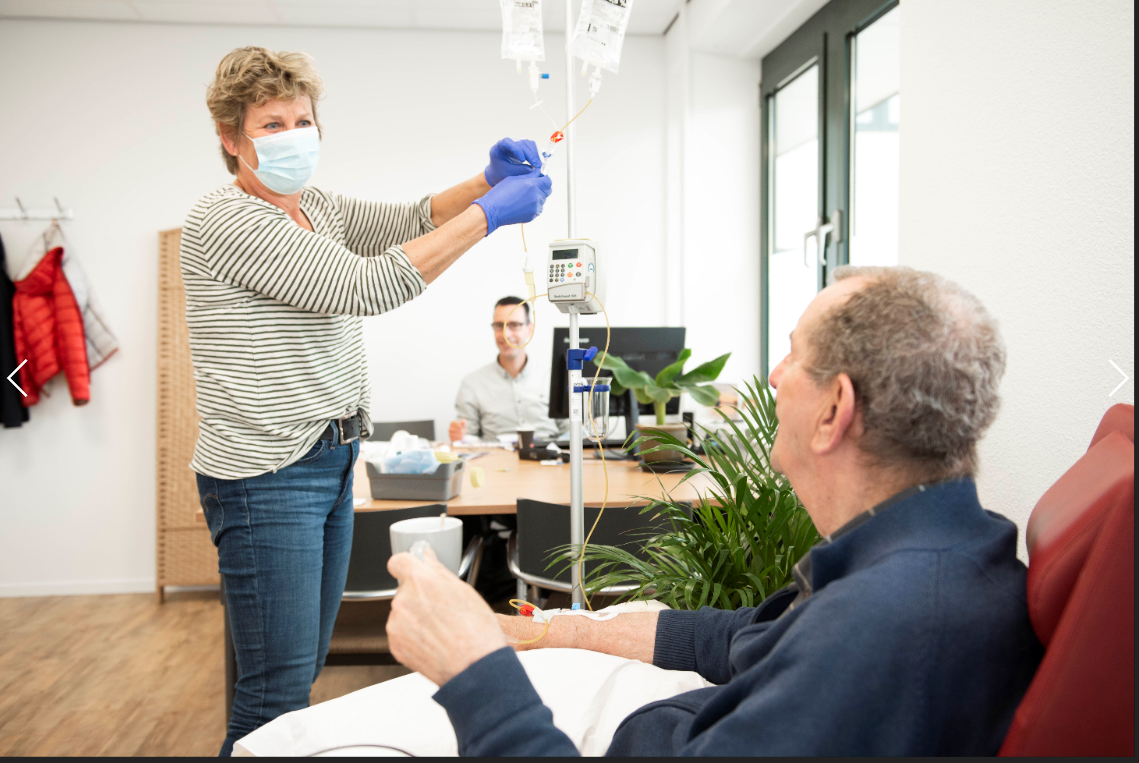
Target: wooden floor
column 122, row 675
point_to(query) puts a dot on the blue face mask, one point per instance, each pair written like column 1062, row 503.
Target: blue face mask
column 286, row 160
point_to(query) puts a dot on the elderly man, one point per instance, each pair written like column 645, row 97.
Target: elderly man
column 906, row 631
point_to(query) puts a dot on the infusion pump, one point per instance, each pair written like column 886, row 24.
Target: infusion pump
column 575, row 277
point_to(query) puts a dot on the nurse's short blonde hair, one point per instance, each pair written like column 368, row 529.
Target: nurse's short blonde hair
column 253, row 76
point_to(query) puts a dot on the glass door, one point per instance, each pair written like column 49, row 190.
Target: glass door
column 793, row 201
column 835, row 74
column 876, row 110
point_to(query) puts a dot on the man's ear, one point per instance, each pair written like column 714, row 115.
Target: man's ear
column 836, row 417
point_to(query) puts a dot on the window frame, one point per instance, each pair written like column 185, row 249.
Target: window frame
column 825, row 39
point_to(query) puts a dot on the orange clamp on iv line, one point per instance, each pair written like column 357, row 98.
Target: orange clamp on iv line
column 527, row 609
column 558, row 137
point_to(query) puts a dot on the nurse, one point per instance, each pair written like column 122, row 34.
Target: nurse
column 278, row 277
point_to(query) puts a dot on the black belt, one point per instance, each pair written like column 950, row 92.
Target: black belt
column 345, row 430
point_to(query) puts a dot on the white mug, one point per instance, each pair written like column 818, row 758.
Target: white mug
column 443, row 534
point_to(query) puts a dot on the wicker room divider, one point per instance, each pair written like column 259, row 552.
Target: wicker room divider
column 186, row 557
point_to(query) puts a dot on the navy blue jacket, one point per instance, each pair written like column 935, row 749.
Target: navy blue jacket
column 914, row 640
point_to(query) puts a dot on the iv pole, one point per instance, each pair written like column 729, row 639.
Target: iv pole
column 577, row 502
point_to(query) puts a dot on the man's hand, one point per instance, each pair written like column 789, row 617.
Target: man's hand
column 439, row 626
column 457, row 430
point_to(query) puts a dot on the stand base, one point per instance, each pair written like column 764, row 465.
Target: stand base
column 667, row 467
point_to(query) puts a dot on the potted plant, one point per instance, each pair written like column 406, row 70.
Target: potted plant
column 669, row 383
column 732, row 548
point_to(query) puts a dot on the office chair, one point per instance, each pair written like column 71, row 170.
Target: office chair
column 1081, row 599
column 1119, row 418
column 368, row 576
column 543, row 527
column 383, row 430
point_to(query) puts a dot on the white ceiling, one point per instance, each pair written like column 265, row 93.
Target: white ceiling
column 648, row 17
column 745, row 28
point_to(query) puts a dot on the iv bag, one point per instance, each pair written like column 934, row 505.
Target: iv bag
column 600, row 32
column 522, row 30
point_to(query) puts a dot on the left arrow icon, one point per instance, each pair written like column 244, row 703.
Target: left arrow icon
column 13, row 381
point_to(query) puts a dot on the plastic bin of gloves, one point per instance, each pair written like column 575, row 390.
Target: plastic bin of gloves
column 444, row 484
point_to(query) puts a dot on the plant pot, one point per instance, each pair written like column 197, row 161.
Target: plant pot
column 679, row 431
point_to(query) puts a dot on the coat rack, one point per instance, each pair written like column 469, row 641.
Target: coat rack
column 59, row 213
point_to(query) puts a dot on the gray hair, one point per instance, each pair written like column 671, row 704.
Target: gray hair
column 925, row 359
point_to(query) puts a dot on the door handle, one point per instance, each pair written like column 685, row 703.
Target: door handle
column 832, row 227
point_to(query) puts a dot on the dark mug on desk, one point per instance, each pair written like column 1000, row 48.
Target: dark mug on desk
column 525, row 439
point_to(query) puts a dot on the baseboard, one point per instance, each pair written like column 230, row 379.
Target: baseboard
column 78, row 587
column 192, row 588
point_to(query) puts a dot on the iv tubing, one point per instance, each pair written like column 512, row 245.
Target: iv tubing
column 575, row 116
column 533, row 313
column 517, row 604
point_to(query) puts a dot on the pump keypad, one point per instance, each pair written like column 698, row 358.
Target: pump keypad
column 559, row 273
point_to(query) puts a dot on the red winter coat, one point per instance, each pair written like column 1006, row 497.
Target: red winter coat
column 49, row 331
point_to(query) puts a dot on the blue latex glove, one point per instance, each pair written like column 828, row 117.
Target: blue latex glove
column 517, row 199
column 507, row 157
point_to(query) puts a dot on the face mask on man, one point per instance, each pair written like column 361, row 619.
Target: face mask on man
column 286, row 160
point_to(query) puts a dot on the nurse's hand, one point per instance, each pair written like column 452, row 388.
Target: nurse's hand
column 508, row 157
column 517, row 199
column 439, row 626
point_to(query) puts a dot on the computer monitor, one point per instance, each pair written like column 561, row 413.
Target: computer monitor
column 647, row 349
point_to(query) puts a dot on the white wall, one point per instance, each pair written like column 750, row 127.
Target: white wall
column 713, row 202
column 721, row 234
column 111, row 119
column 1017, row 181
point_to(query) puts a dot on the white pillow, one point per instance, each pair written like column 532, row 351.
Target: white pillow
column 589, row 694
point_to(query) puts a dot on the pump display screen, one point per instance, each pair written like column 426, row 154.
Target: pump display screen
column 565, row 254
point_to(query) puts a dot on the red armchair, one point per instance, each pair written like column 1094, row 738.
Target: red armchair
column 1081, row 598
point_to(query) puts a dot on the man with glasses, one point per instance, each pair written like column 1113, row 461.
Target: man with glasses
column 508, row 394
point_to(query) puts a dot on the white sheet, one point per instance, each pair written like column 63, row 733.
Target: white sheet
column 589, row 694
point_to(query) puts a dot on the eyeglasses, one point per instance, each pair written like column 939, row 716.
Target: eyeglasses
column 513, row 325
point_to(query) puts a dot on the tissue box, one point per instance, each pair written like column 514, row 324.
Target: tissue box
column 443, row 485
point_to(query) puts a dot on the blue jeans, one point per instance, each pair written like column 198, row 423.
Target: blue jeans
column 283, row 544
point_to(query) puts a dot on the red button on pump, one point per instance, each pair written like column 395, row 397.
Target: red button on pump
column 579, row 264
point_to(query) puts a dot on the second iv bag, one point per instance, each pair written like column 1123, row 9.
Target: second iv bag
column 600, row 32
column 522, row 30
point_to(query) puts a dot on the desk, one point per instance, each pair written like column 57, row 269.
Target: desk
column 529, row 479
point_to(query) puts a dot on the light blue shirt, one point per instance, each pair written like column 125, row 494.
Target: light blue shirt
column 493, row 403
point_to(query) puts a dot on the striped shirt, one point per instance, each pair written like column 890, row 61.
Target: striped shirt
column 275, row 314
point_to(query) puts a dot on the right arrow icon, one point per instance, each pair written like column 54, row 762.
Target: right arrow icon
column 14, row 382
column 1126, row 378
